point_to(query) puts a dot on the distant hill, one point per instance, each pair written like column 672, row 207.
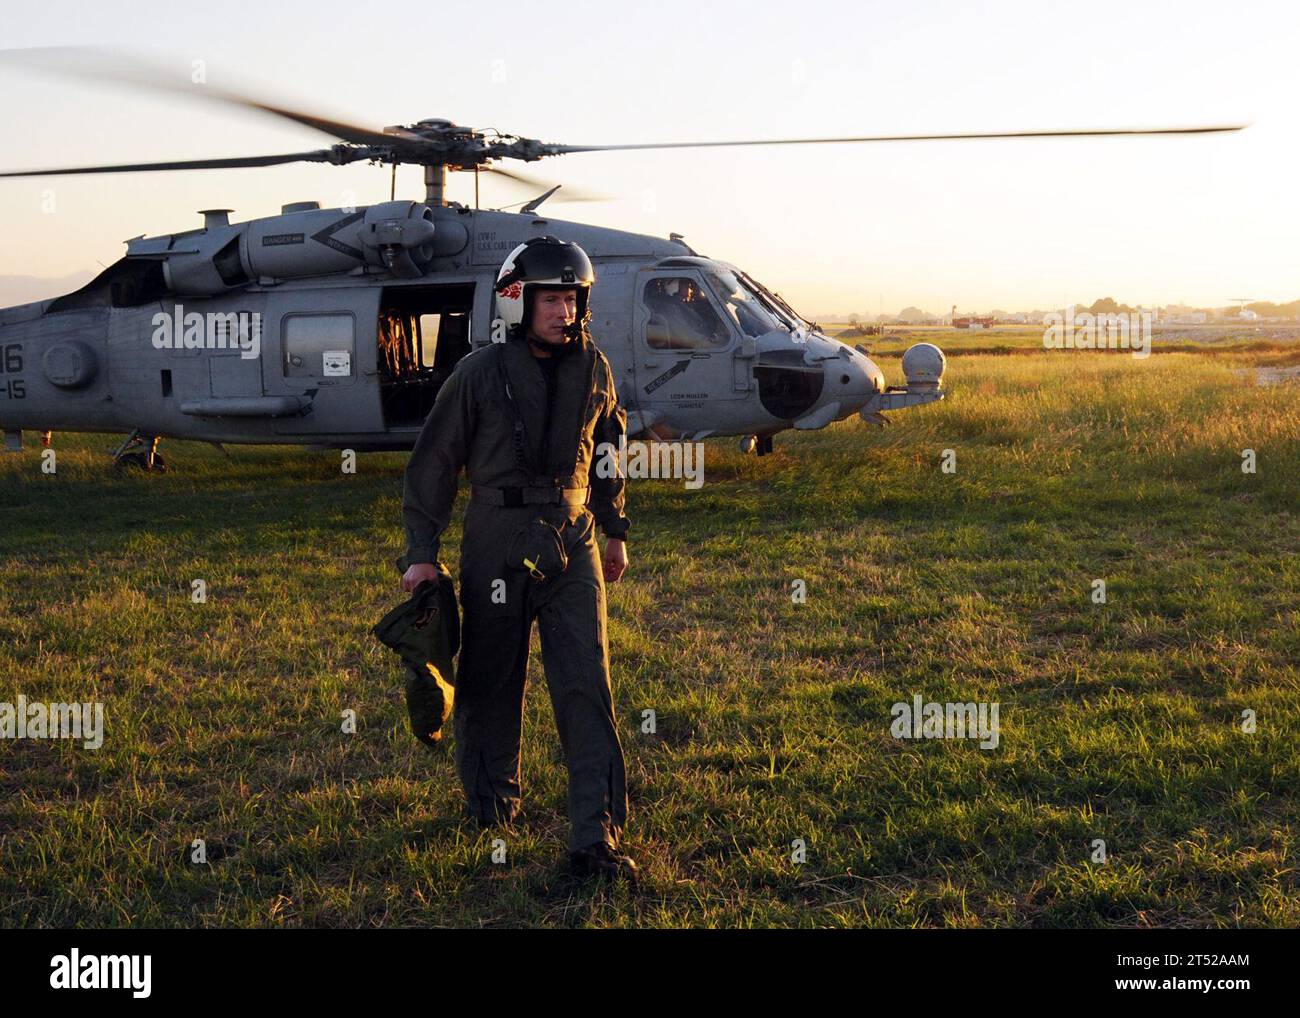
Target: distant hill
column 25, row 289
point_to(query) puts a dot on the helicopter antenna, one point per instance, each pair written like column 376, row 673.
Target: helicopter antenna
column 533, row 205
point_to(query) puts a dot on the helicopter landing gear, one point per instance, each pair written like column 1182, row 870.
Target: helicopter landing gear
column 764, row 445
column 141, row 452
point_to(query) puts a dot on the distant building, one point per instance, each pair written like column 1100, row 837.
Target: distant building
column 970, row 321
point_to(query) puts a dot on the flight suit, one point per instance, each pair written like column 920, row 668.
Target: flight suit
column 525, row 458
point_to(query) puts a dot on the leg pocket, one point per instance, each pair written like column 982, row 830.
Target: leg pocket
column 574, row 634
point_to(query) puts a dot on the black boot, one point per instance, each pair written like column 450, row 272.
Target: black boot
column 601, row 860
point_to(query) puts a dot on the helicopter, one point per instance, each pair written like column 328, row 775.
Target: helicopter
column 334, row 328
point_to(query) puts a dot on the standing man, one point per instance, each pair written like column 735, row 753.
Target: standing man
column 526, row 418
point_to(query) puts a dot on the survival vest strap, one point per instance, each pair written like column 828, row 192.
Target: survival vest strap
column 539, row 477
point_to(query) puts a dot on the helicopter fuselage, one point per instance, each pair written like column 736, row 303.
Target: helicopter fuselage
column 336, row 328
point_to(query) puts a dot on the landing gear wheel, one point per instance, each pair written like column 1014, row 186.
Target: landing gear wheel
column 140, row 461
column 141, row 452
column 764, row 447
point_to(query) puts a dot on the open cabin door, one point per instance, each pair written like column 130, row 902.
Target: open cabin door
column 423, row 331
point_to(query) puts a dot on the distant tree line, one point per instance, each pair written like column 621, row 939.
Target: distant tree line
column 1263, row 308
column 1104, row 306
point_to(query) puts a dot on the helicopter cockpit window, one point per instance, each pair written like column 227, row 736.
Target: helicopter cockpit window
column 319, row 346
column 775, row 305
column 741, row 305
column 681, row 316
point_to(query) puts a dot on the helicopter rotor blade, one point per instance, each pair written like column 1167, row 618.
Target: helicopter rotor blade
column 1080, row 133
column 566, row 193
column 232, row 162
column 443, row 143
column 102, row 64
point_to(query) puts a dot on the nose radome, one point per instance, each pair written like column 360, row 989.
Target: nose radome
column 858, row 376
column 853, row 381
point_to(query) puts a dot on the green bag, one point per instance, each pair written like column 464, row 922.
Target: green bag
column 425, row 633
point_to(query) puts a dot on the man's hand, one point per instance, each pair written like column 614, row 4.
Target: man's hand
column 417, row 574
column 615, row 559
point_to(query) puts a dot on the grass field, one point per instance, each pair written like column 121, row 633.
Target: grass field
column 1119, row 721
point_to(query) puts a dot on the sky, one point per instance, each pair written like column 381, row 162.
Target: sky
column 1016, row 225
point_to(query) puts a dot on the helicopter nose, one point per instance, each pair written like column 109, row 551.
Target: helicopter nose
column 852, row 381
column 814, row 384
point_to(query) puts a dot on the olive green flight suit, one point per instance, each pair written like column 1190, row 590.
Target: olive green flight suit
column 515, row 455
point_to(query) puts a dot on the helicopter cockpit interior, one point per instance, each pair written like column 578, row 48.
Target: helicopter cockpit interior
column 683, row 317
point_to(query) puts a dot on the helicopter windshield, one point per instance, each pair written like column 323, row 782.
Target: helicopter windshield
column 742, row 304
column 788, row 316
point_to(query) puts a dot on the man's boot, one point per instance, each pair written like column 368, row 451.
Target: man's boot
column 601, row 860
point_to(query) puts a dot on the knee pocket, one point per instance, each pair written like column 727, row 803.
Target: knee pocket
column 575, row 624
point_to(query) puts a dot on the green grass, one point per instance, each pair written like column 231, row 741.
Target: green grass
column 1118, row 721
column 1275, row 339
